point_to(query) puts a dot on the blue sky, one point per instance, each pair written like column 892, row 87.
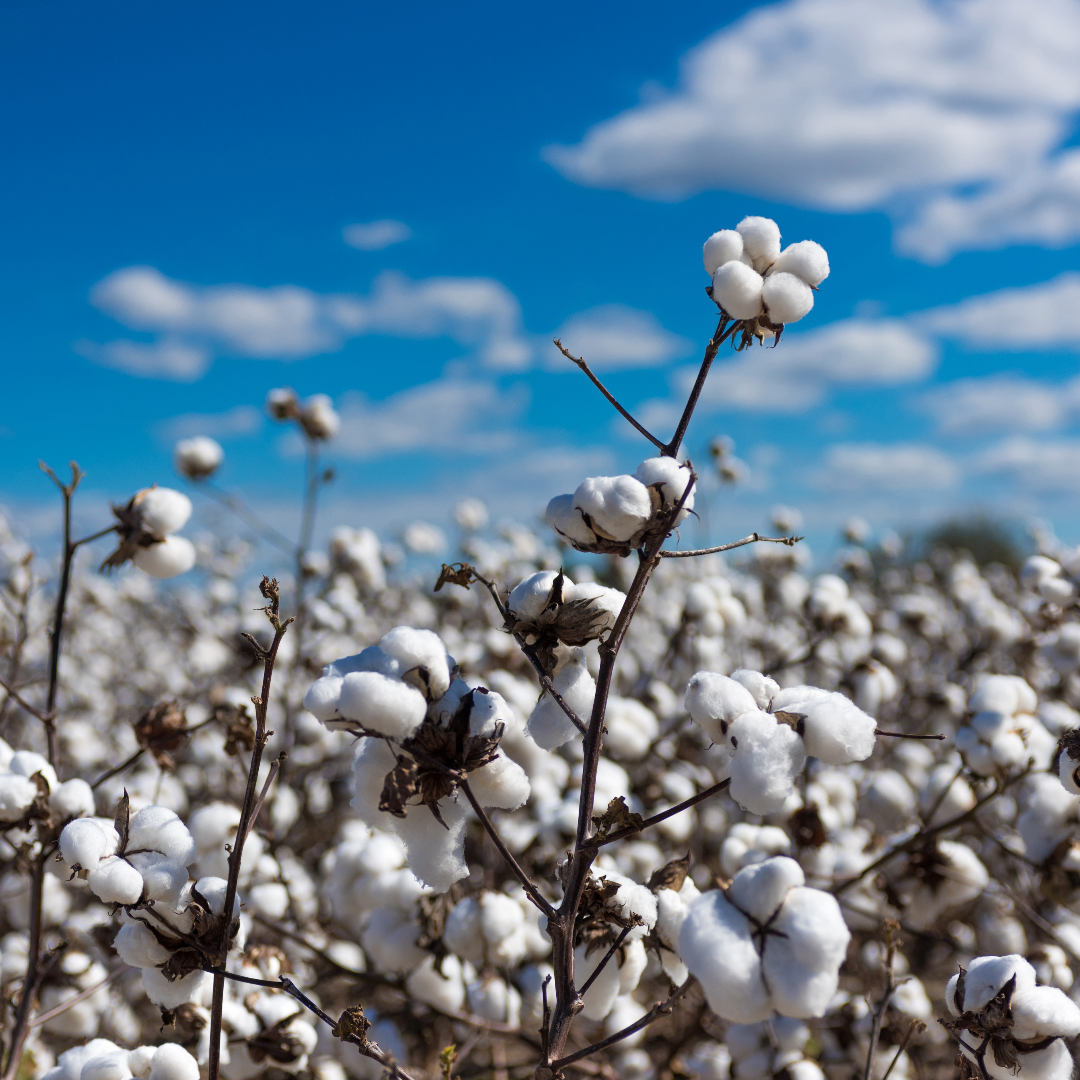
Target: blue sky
column 181, row 178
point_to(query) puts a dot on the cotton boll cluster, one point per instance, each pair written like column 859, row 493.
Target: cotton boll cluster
column 548, row 608
column 1047, row 578
column 495, row 930
column 198, row 458
column 755, row 281
column 616, row 514
column 763, row 1050
column 765, row 944
column 147, row 525
column 1004, row 732
column 315, row 416
column 101, row 1059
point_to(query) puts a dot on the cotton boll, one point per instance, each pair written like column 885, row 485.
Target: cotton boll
column 115, row 881
column 382, row 704
column 443, row 989
column 708, row 1061
column 322, row 697
column 768, row 756
column 270, row 900
column 761, row 687
column 671, row 479
column 737, row 288
column 548, row 725
column 72, row 799
column 787, row 298
column 600, row 997
column 175, row 555
column 110, row 1066
column 136, row 945
column 86, row 841
column 420, row 649
column 721, row 247
column 173, row 1062
column 632, row 728
column 157, row 828
column 389, row 939
column 835, row 730
column 806, row 259
column 565, row 518
column 715, row 702
column 617, row 506
column 1044, row 1010
column 139, row 1061
column 492, row 999
column 632, row 965
column 198, row 457
column 501, row 783
column 318, row 417
column 27, row 763
column 761, row 888
column 761, row 240
column 163, row 879
column 17, row 795
column 529, row 597
column 436, row 853
column 889, row 800
column 163, row 510
column 624, row 1012
column 171, row 995
column 213, row 890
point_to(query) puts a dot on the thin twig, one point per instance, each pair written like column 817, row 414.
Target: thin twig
column 248, row 516
column 275, row 768
column 718, row 338
column 142, row 750
column 915, row 1024
column 607, row 957
column 671, row 811
column 23, row 704
column 63, row 1007
column 607, row 393
column 905, row 735
column 34, row 974
column 753, row 538
column 890, row 989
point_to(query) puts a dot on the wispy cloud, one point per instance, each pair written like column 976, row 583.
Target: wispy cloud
column 237, row 422
column 997, row 403
column 376, row 235
column 893, row 467
column 617, row 337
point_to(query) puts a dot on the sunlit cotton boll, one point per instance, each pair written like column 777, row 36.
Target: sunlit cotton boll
column 723, row 246
column 806, row 260
column 163, row 510
column 670, row 479
column 198, row 457
column 422, row 538
column 380, row 704
column 318, row 418
column 737, row 288
column 787, row 298
column 617, row 506
column 175, row 555
column 761, row 241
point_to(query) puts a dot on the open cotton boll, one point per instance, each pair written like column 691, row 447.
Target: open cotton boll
column 768, row 756
column 759, row 889
column 173, row 1062
column 492, row 999
column 806, row 260
column 762, row 688
column 17, row 795
column 604, row 603
column 171, row 995
column 985, row 976
column 137, row 946
column 737, row 288
column 600, row 997
column 548, row 725
column 761, row 240
column 157, row 828
column 420, row 649
column 381, row 704
column 1043, row 1011
column 175, row 555
column 462, row 934
column 835, row 730
column 27, row 763
column 634, row 899
column 715, row 702
column 86, row 841
column 112, row 1065
column 436, row 853
column 443, row 989
column 389, row 939
column 501, row 783
column 617, row 506
column 72, row 799
column 671, row 479
column 787, row 298
column 721, row 247
column 198, row 457
column 565, row 518
column 139, row 1061
column 162, row 877
column 631, row 728
column 163, row 510
column 213, row 890
column 115, row 881
column 529, row 597
column 632, row 965
column 322, row 697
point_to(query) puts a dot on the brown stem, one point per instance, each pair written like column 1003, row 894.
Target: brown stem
column 32, row 980
column 671, row 811
column 24, row 704
column 905, row 735
column 903, row 1046
column 45, row 1017
column 879, row 1016
column 270, row 592
column 247, row 516
column 606, row 959
column 753, row 538
column 607, row 393
column 672, row 448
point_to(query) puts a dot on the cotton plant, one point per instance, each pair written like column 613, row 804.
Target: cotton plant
column 147, row 525
column 1004, row 732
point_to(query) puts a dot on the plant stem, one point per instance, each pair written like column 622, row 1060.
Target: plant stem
column 721, row 335
column 32, row 979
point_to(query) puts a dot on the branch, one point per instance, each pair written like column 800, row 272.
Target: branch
column 247, row 516
column 890, row 989
column 607, row 957
column 23, row 704
column 718, row 338
column 671, row 811
column 63, row 1007
column 526, row 881
column 607, row 393
column 753, row 538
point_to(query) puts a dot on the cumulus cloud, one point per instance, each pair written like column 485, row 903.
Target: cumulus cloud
column 287, row 322
column 613, row 336
column 854, row 104
column 465, row 416
column 998, row 403
column 1034, row 465
column 1044, row 316
column 233, row 423
column 894, row 467
column 376, row 235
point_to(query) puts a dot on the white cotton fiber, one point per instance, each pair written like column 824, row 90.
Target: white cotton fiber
column 175, row 555
column 548, row 725
column 321, row 700
column 634, row 899
column 86, row 841
column 564, row 517
column 631, row 728
column 139, row 1061
column 760, row 686
column 835, row 730
column 389, row 939
column 115, row 881
column 461, row 934
column 436, row 853
column 27, row 763
column 157, row 828
column 605, row 603
column 806, row 260
column 171, row 995
column 787, row 298
column 761, row 240
column 381, row 704
column 1042, row 1011
column 72, row 799
column 112, row 1065
column 986, row 975
column 17, row 794
column 617, row 506
column 173, row 1062
column 759, row 889
column 137, row 946
column 803, row 965
column 600, row 997
column 716, row 946
column 737, row 288
column 213, row 890
column 163, row 878
column 529, row 597
column 501, row 783
column 715, row 701
column 443, row 989
column 721, row 247
column 420, row 649
column 163, row 510
column 670, row 479
column 768, row 757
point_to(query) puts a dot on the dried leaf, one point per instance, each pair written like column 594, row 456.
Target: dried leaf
column 672, row 876
column 617, row 816
column 121, row 820
column 161, row 729
column 239, row 731
column 399, row 786
column 456, row 574
column 807, row 827
column 795, row 721
column 352, row 1022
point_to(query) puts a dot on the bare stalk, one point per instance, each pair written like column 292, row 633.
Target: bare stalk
column 247, row 516
column 890, row 989
column 32, row 979
column 753, row 538
column 269, row 590
column 721, row 335
column 671, row 811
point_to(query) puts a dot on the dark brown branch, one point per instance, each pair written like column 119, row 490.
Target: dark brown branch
column 912, row 1027
column 606, row 959
column 753, row 538
column 271, row 776
column 526, row 882
column 63, row 1007
column 905, row 735
column 671, row 811
column 607, row 393
column 718, row 338
column 34, row 974
column 879, row 1015
column 24, row 704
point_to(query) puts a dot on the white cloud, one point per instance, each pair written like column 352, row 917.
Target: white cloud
column 376, row 235
column 854, row 104
column 614, row 337
column 1001, row 403
column 1044, row 316
column 166, row 358
column 236, row 422
column 452, row 414
column 895, row 467
column 799, row 372
column 1040, row 466
column 287, row 322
